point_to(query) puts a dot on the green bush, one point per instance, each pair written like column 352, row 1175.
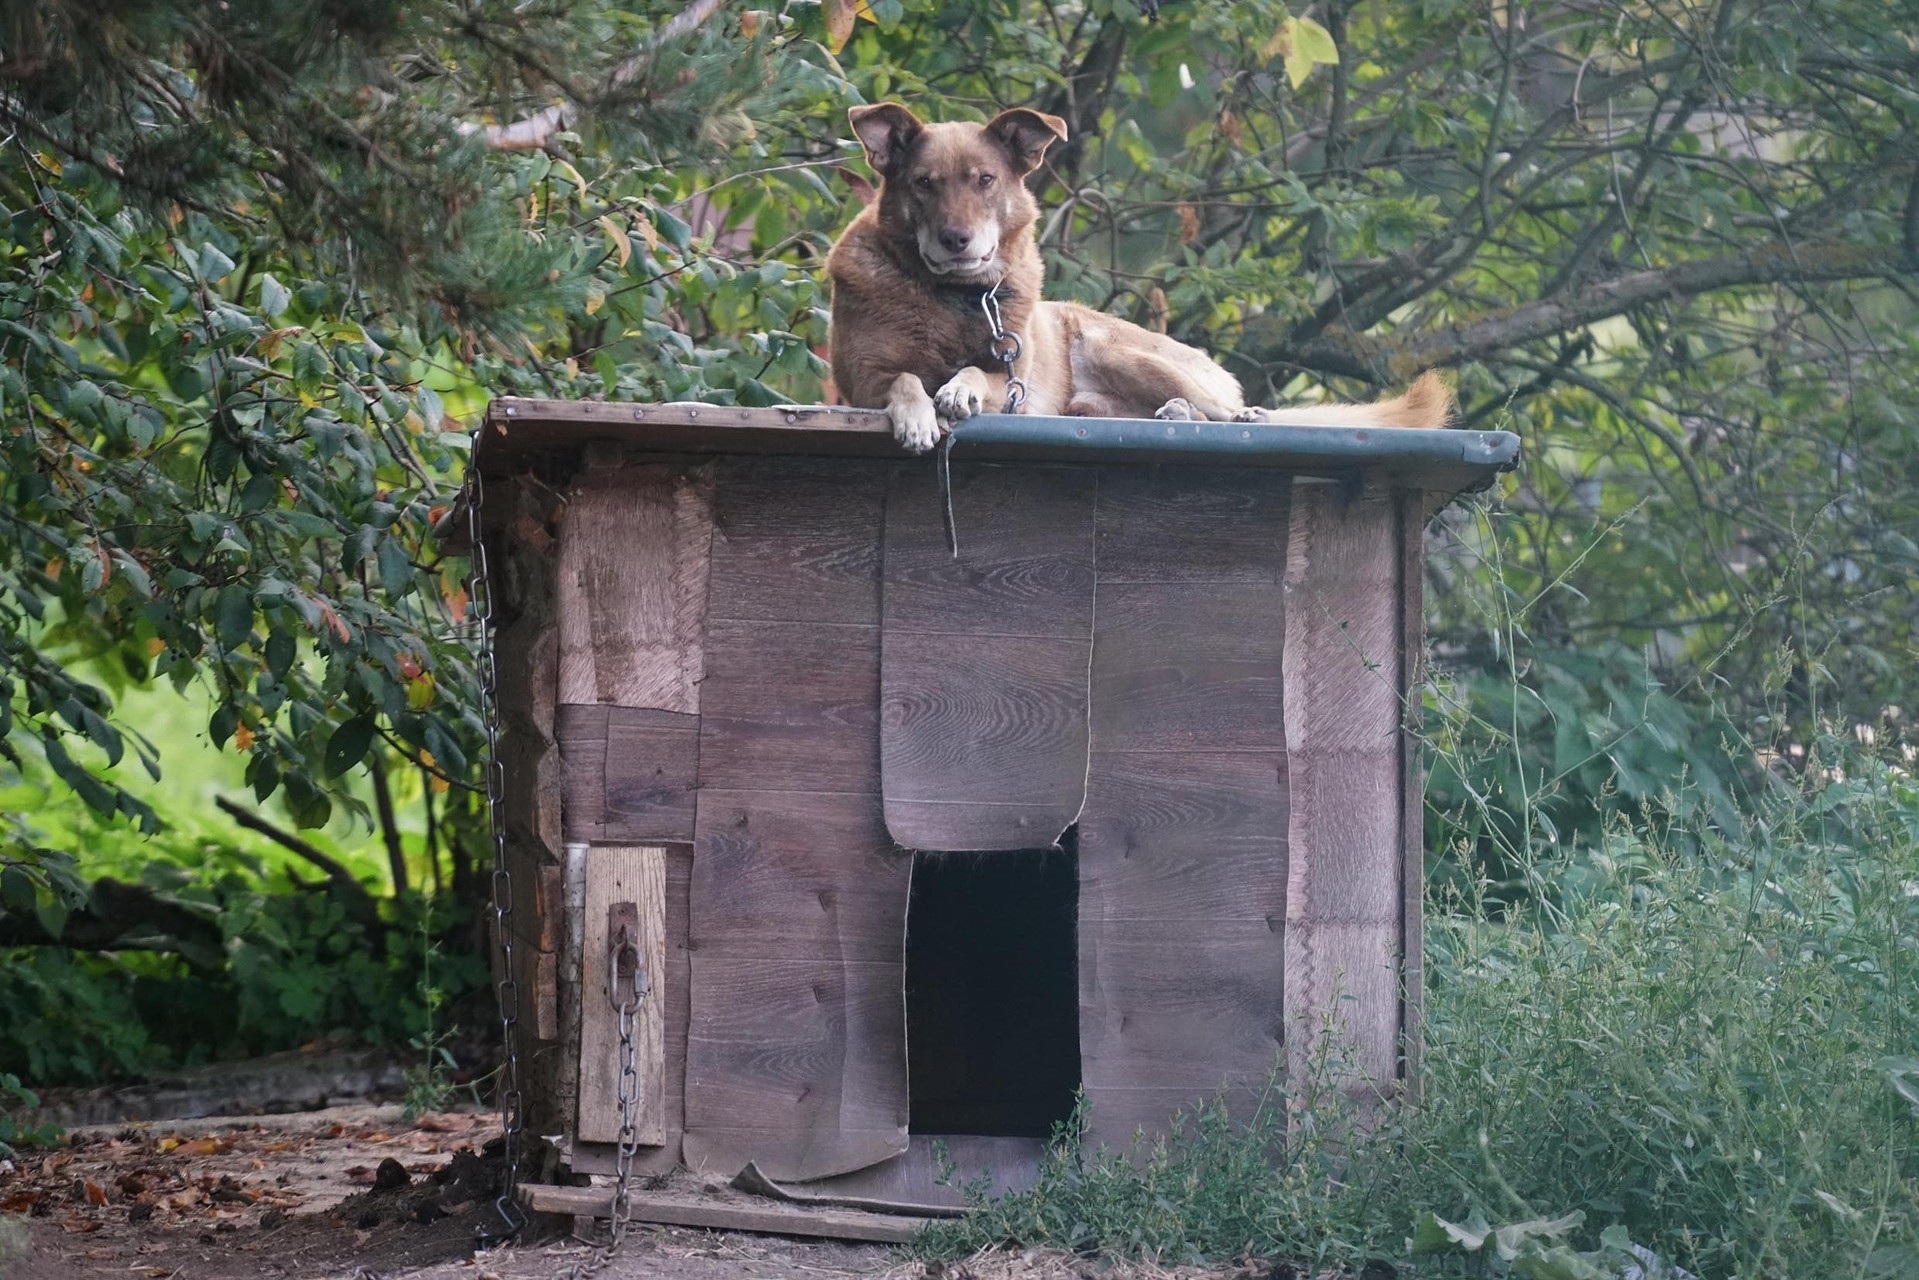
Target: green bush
column 293, row 966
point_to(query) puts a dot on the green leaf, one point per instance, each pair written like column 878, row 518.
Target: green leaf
column 1514, row 1237
column 274, row 296
column 214, row 265
column 234, row 616
column 17, row 891
column 1433, row 1234
column 52, row 914
column 281, row 648
column 1303, row 44
column 307, row 804
column 347, row 747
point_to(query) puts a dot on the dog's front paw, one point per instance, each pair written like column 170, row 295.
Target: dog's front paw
column 960, row 398
column 1252, row 413
column 1179, row 409
column 915, row 425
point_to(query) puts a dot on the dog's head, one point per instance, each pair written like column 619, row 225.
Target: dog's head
column 957, row 187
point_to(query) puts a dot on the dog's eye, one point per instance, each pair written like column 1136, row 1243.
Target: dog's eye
column 923, row 182
column 986, row 180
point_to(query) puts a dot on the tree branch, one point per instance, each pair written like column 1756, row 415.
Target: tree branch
column 337, row 874
column 389, row 827
column 532, row 132
column 1380, row 360
column 124, row 917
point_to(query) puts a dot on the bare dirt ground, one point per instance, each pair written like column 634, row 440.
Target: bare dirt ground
column 359, row 1193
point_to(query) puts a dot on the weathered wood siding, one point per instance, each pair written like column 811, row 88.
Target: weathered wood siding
column 773, row 670
column 797, row 1055
column 984, row 656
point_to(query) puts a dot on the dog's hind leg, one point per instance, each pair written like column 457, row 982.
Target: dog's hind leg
column 1134, row 383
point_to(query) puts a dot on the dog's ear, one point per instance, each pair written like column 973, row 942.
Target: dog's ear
column 1025, row 135
column 886, row 131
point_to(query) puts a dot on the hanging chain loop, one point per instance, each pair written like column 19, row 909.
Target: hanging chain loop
column 507, row 987
column 1006, row 347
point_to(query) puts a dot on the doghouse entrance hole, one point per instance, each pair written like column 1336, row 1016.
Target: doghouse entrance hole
column 992, row 990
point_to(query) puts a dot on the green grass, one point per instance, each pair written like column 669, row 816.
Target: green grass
column 1708, row 1046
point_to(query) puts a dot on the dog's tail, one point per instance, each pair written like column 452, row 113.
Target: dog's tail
column 1427, row 403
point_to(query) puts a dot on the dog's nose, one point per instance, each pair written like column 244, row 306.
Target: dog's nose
column 954, row 240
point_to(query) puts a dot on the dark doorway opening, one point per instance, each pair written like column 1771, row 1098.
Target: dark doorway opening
column 992, row 991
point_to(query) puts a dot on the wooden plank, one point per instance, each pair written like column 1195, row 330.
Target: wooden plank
column 652, row 771
column 1025, row 563
column 1184, row 836
column 1187, row 667
column 1183, row 849
column 591, row 1157
column 984, row 657
column 1412, row 820
column 1196, row 524
column 799, row 1067
column 581, row 734
column 915, row 1177
column 766, row 1218
column 632, row 586
column 1124, row 1116
column 796, row 1052
column 791, row 706
column 637, row 876
column 797, row 540
column 1342, row 690
column 1186, row 1004
column 811, row 878
column 983, row 740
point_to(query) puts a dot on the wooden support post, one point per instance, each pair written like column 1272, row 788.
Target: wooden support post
column 627, row 884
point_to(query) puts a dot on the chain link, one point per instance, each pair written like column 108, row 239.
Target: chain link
column 1006, row 347
column 628, row 1008
column 512, row 1102
column 626, row 986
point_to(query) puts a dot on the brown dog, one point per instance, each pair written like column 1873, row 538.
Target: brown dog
column 952, row 219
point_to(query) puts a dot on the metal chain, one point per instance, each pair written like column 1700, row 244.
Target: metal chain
column 1006, row 347
column 628, row 1007
column 512, row 1116
column 626, row 985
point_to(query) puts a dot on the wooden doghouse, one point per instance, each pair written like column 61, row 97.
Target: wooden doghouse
column 1120, row 797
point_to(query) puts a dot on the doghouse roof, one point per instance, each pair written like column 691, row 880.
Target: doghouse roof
column 1442, row 462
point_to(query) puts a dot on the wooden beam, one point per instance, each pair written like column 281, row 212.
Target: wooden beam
column 722, row 1215
column 617, row 877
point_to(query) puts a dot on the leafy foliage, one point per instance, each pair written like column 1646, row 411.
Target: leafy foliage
column 281, row 968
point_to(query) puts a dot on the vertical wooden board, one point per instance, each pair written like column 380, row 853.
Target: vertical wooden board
column 984, row 656
column 1412, row 871
column 1192, row 524
column 1184, row 836
column 614, row 875
column 592, row 1157
column 632, row 587
column 1342, row 696
column 1187, row 667
column 1025, row 563
column 1183, row 849
column 797, row 540
column 811, row 878
column 795, row 1055
column 791, row 706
